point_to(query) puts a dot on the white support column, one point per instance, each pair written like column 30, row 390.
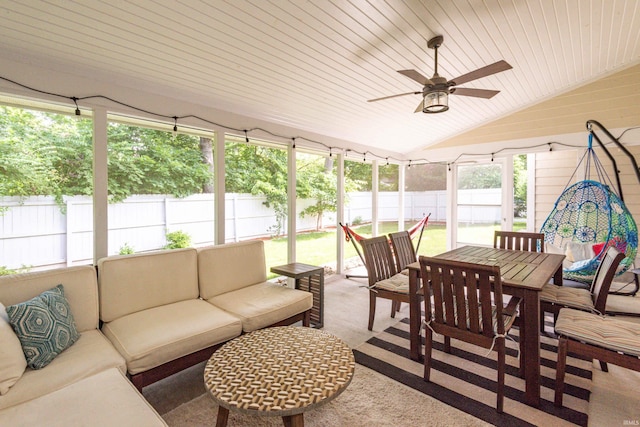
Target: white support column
column 100, row 189
column 401, row 196
column 507, row 193
column 375, row 200
column 452, row 207
column 69, row 209
column 291, row 203
column 531, row 192
column 219, row 187
column 340, row 215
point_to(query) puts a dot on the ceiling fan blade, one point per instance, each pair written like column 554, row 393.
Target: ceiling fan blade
column 419, row 109
column 393, row 96
column 413, row 74
column 482, row 72
column 478, row 93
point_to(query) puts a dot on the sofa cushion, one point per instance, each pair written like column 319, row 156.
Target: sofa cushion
column 232, row 266
column 105, row 399
column 263, row 304
column 149, row 338
column 80, row 289
column 132, row 283
column 91, row 354
column 12, row 361
column 44, row 325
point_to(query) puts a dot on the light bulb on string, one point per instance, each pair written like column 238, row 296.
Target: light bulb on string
column 175, row 126
column 77, row 112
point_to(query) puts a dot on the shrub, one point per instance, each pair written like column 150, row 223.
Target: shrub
column 357, row 220
column 4, row 271
column 126, row 249
column 177, row 239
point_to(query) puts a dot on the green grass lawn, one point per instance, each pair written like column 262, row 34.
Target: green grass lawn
column 319, row 248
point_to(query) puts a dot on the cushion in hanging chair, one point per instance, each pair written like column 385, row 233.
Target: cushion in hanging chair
column 589, row 214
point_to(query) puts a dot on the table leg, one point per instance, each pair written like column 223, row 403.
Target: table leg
column 293, row 420
column 531, row 339
column 415, row 343
column 557, row 278
column 223, row 416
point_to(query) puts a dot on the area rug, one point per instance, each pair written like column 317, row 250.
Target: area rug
column 466, row 378
column 371, row 400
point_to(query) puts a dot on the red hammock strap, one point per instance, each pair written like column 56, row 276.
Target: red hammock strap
column 419, row 225
column 349, row 233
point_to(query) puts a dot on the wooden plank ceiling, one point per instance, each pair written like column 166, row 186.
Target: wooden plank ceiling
column 313, row 65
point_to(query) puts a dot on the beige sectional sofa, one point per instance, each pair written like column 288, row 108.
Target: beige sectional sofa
column 86, row 381
column 142, row 316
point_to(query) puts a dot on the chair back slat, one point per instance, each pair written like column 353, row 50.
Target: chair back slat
column 378, row 259
column 518, row 241
column 604, row 276
column 462, row 296
column 403, row 249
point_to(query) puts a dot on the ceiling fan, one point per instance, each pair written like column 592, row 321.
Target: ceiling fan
column 437, row 89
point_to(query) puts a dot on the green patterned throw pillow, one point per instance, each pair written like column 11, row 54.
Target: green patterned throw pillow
column 44, row 325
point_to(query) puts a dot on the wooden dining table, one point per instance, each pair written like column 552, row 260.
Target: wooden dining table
column 523, row 275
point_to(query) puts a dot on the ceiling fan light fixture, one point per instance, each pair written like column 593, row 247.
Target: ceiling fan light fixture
column 435, row 102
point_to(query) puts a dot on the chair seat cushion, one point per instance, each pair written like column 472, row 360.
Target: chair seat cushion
column 151, row 337
column 398, row 283
column 567, row 296
column 263, row 304
column 604, row 331
column 101, row 400
column 91, row 354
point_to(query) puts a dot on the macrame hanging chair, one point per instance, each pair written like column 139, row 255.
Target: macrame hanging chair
column 588, row 217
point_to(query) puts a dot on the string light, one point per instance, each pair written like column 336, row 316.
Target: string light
column 294, row 143
column 75, row 101
column 175, row 126
column 330, row 148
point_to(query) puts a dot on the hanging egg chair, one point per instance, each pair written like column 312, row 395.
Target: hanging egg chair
column 588, row 217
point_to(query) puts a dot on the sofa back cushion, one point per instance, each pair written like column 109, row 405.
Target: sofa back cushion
column 80, row 290
column 225, row 268
column 132, row 283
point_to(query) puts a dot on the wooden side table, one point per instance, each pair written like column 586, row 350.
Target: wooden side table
column 308, row 278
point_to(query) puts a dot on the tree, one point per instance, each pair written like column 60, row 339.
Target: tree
column 426, row 177
column 317, row 183
column 52, row 154
column 259, row 170
column 520, row 186
column 207, row 156
column 481, row 176
column 359, row 173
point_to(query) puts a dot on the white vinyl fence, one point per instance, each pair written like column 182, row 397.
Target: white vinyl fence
column 37, row 233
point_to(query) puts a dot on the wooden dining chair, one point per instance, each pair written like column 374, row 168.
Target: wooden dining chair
column 384, row 279
column 462, row 309
column 403, row 250
column 609, row 339
column 553, row 297
column 518, row 241
column 404, row 253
